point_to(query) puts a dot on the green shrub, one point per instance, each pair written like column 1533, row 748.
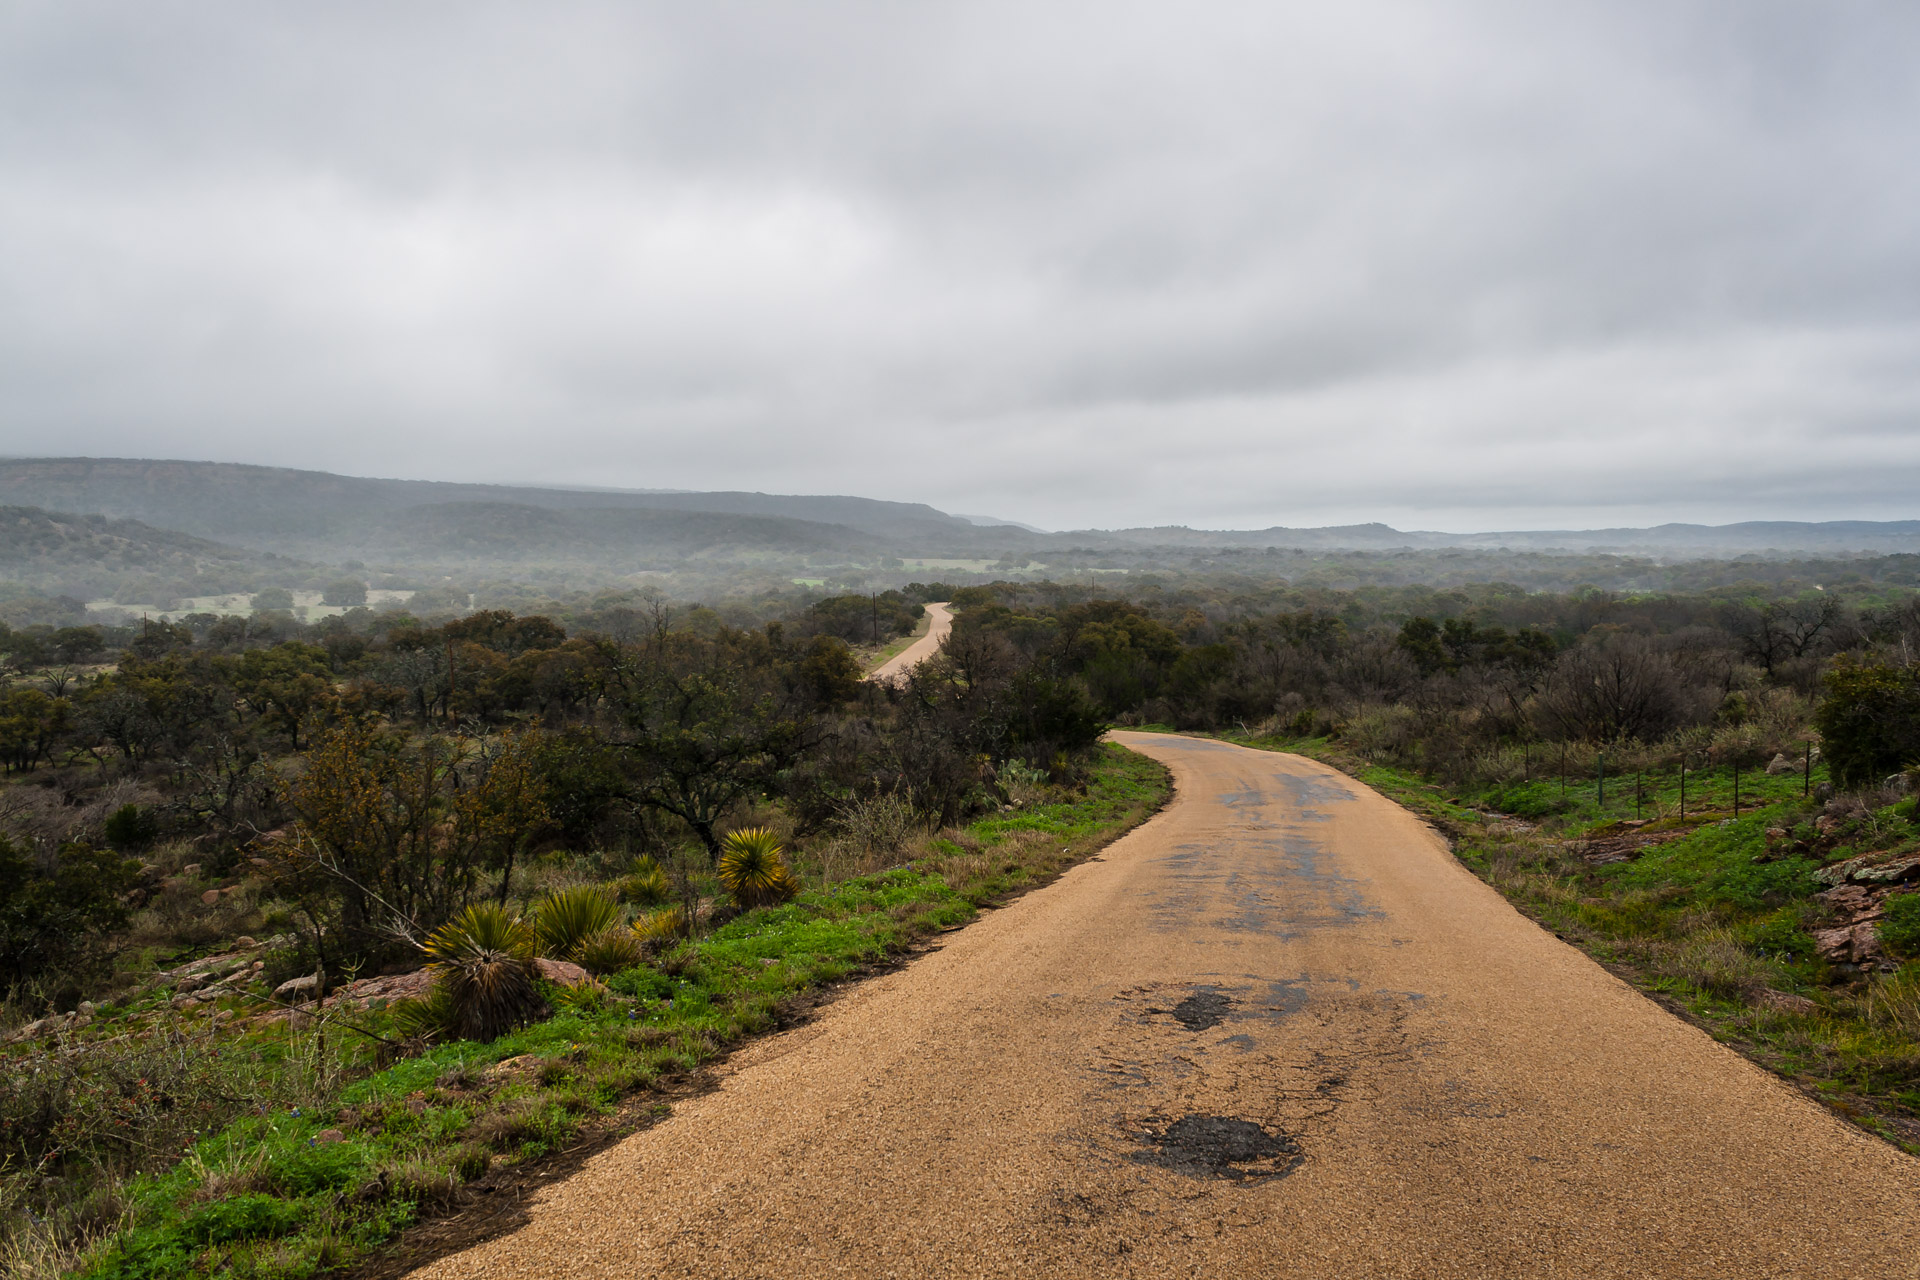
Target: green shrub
column 130, row 827
column 308, row 1170
column 568, row 918
column 1870, row 720
column 752, row 869
column 647, row 886
column 609, row 951
column 483, row 961
column 248, row 1217
column 1900, row 928
column 1780, row 935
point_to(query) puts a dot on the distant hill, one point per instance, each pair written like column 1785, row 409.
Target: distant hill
column 93, row 556
column 322, row 515
column 1684, row 541
column 319, row 516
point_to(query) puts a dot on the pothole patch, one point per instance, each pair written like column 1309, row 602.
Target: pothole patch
column 1203, row 1146
column 1202, row 1010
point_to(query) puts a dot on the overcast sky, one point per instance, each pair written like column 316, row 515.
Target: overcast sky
column 1448, row 265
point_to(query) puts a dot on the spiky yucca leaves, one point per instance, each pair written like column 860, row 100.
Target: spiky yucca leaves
column 568, row 918
column 430, row 1017
column 647, row 885
column 661, row 928
column 610, row 951
column 483, row 961
column 752, row 869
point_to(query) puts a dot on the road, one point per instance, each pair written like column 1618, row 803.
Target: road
column 939, row 622
column 1276, row 1031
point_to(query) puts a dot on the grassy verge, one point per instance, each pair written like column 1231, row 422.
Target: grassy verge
column 1713, row 915
column 875, row 658
column 293, row 1187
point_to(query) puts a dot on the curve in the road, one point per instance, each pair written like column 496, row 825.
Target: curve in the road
column 939, row 623
column 1276, row 1031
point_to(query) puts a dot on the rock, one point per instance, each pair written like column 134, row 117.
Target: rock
column 246, row 944
column 188, row 983
column 292, row 988
column 210, row 897
column 1776, row 833
column 327, row 1137
column 191, row 869
column 1849, row 944
column 87, row 1009
column 149, row 871
column 1780, row 764
column 1786, row 1002
column 1854, row 900
column 564, row 973
column 183, row 1001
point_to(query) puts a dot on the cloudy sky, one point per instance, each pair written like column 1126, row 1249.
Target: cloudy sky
column 1456, row 265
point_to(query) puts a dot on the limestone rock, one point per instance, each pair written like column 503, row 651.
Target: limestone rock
column 564, row 973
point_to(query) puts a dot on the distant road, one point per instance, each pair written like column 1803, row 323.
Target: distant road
column 1277, row 1031
column 895, row 669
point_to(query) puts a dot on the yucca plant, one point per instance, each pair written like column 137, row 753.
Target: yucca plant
column 483, row 962
column 647, row 885
column 568, row 918
column 431, row 1017
column 752, row 869
column 661, row 928
column 609, row 951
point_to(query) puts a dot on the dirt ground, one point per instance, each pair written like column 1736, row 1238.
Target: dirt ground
column 939, row 622
column 1275, row 1031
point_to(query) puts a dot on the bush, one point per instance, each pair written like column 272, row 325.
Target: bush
column 609, row 951
column 483, row 960
column 248, row 1217
column 565, row 920
column 129, row 828
column 1900, row 927
column 1869, row 721
column 752, row 870
column 54, row 921
column 646, row 886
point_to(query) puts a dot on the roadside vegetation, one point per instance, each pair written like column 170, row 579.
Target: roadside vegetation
column 1717, row 795
column 301, row 938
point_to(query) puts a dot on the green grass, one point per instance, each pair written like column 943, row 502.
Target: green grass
column 266, row 1196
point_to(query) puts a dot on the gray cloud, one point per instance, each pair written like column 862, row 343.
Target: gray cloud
column 1463, row 266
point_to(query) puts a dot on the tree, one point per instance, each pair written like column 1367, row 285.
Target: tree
column 1869, row 721
column 346, row 593
column 59, row 917
column 701, row 732
column 399, row 833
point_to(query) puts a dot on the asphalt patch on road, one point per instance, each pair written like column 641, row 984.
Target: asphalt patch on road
column 1203, row 1146
column 1202, row 1010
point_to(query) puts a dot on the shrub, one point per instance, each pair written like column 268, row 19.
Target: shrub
column 646, row 886
column 565, row 920
column 1900, row 927
column 58, row 919
column 752, row 870
column 483, row 961
column 667, row 925
column 431, row 1017
column 1870, row 720
column 609, row 951
column 248, row 1217
column 130, row 827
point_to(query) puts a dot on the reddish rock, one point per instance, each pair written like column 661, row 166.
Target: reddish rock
column 564, row 973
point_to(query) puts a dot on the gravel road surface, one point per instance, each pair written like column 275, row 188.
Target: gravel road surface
column 1277, row 1031
column 939, row 622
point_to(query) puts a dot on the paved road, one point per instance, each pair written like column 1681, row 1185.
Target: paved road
column 1277, row 1031
column 939, row 622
